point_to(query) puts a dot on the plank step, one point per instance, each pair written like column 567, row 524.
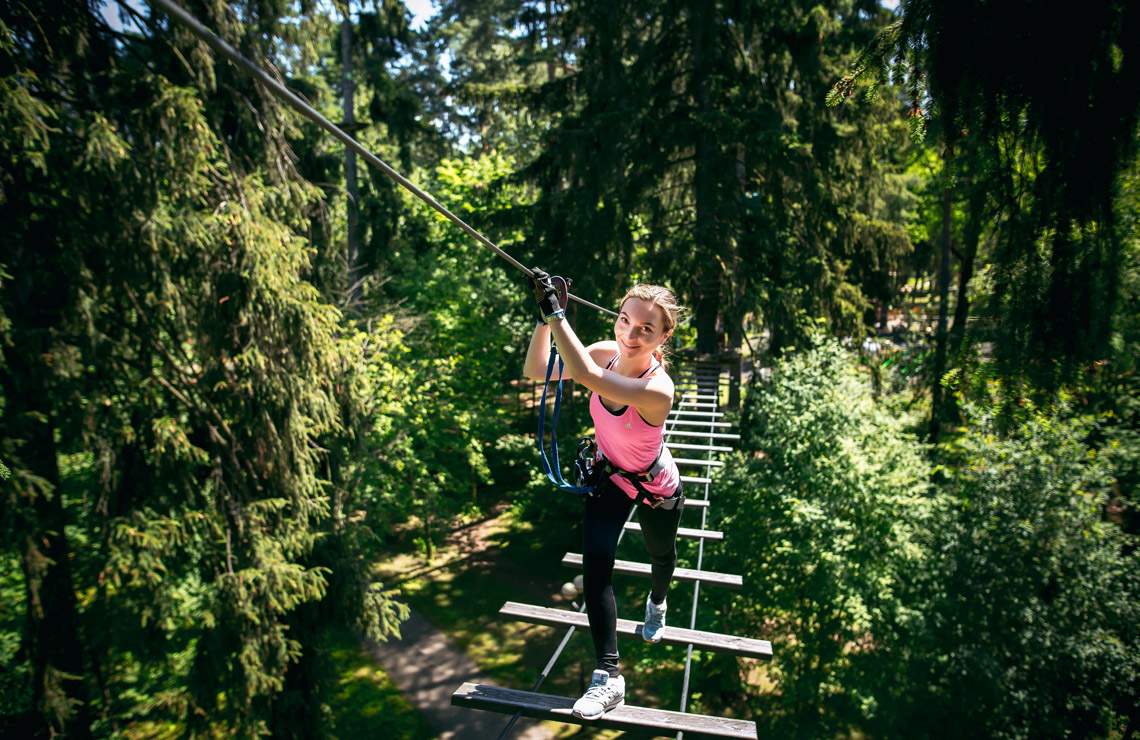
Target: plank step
column 706, row 448
column 698, row 463
column 699, row 423
column 687, row 532
column 708, row 435
column 698, row 397
column 701, row 404
column 711, row 414
column 701, row 640
column 688, row 575
column 695, row 479
column 641, row 720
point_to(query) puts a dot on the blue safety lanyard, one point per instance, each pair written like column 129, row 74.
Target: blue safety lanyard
column 552, row 471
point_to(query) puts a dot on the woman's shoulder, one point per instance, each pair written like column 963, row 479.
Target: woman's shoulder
column 602, row 352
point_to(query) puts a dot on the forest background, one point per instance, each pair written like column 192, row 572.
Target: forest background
column 228, row 387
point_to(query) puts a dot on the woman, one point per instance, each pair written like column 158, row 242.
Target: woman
column 632, row 396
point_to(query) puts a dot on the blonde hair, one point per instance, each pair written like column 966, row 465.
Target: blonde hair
column 664, row 298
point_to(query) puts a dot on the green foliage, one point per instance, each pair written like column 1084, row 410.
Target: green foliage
column 1030, row 619
column 826, row 502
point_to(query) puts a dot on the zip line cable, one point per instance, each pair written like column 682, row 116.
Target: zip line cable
column 182, row 16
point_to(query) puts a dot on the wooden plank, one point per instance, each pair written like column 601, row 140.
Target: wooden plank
column 701, row 404
column 695, row 479
column 700, row 423
column 687, row 532
column 701, row 640
column 639, row 720
column 698, row 463
column 696, row 503
column 711, row 414
column 698, row 397
column 706, row 448
column 688, row 575
column 707, row 435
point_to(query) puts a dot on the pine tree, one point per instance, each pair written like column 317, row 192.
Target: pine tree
column 162, row 340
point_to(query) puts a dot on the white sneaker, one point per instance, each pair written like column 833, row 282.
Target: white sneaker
column 654, row 621
column 604, row 694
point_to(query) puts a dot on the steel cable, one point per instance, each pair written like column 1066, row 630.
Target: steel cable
column 182, row 16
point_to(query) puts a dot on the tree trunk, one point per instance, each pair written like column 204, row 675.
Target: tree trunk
column 943, row 300
column 51, row 636
column 704, row 186
column 350, row 185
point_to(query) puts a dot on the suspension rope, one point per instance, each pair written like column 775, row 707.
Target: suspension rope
column 179, row 14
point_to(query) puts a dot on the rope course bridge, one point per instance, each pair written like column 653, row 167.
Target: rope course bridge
column 696, row 435
column 692, row 427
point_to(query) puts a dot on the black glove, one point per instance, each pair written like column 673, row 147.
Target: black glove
column 544, row 292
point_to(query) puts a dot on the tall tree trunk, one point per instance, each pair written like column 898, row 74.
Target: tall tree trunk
column 51, row 636
column 350, row 186
column 943, row 299
column 704, row 183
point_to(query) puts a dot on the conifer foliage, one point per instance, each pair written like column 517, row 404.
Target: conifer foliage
column 161, row 340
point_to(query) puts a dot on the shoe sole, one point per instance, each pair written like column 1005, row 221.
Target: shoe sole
column 578, row 714
column 649, row 639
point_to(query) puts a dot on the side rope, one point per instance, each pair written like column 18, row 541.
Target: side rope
column 553, row 472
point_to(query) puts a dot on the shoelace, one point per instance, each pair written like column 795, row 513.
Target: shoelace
column 602, row 692
column 656, row 618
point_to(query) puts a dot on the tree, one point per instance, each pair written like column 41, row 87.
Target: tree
column 161, row 340
column 826, row 501
column 1052, row 146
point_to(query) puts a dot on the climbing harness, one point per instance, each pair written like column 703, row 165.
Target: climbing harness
column 651, row 500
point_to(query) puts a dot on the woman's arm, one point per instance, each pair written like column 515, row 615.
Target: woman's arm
column 538, row 355
column 653, row 396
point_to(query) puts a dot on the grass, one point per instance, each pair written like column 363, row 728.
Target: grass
column 365, row 702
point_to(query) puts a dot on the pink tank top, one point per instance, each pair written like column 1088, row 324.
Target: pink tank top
column 631, row 443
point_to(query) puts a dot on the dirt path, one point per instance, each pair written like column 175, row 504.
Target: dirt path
column 427, row 667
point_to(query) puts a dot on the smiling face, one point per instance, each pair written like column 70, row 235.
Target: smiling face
column 640, row 328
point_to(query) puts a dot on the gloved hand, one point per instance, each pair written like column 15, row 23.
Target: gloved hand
column 544, row 292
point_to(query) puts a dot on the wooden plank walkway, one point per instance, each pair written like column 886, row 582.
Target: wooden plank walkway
column 640, row 720
column 699, row 639
column 695, row 410
column 688, row 575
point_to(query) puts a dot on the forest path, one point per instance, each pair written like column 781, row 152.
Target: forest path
column 427, row 666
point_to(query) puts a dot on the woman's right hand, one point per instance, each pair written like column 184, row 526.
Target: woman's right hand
column 544, row 292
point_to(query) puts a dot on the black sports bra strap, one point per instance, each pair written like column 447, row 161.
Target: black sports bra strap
column 649, row 370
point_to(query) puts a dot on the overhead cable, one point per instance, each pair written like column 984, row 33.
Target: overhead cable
column 194, row 25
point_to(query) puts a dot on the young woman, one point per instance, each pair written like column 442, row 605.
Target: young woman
column 632, row 396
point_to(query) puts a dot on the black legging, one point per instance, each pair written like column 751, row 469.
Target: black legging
column 605, row 514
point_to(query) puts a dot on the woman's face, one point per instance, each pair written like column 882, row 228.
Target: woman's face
column 639, row 328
